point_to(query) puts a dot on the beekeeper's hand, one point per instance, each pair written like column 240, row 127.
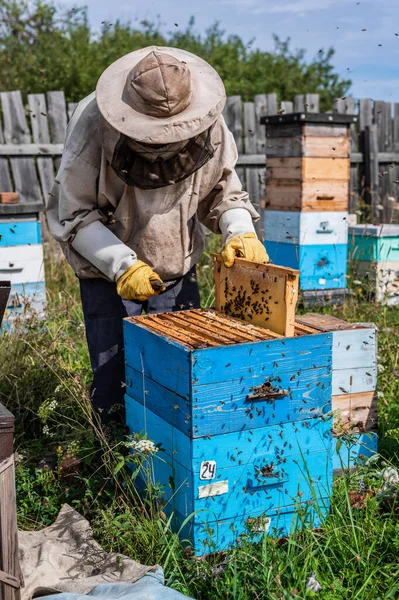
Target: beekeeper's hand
column 246, row 246
column 136, row 282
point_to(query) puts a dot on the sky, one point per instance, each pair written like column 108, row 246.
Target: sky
column 365, row 34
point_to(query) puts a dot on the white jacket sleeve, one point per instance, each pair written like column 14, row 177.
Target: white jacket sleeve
column 235, row 221
column 97, row 244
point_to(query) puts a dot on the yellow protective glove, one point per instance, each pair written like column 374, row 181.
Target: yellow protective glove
column 135, row 283
column 246, row 246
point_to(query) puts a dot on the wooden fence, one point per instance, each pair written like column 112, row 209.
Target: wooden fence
column 31, row 138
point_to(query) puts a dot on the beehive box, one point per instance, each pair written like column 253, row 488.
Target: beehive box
column 354, row 384
column 21, row 262
column 306, row 228
column 321, row 267
column 243, row 417
column 378, row 243
column 308, row 161
column 375, row 252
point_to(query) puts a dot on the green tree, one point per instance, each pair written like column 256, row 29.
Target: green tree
column 43, row 48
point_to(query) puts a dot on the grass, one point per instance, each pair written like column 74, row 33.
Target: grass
column 44, row 382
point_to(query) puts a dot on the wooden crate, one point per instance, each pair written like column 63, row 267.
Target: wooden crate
column 308, row 162
column 10, row 576
column 241, row 414
column 264, row 294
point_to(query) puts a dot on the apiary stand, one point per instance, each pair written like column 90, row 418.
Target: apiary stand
column 242, row 416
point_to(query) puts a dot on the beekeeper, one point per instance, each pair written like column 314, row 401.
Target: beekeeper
column 148, row 160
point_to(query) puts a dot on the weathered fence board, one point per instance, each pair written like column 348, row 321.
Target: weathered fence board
column 233, row 117
column 41, row 135
column 5, row 179
column 57, row 115
column 16, row 131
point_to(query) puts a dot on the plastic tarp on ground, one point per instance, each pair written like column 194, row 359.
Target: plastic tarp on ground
column 65, row 560
column 149, row 587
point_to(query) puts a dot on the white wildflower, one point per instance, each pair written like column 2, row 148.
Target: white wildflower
column 380, row 394
column 390, row 476
column 312, row 584
column 142, row 446
column 357, row 282
column 46, row 430
column 381, row 368
column 53, row 405
column 57, row 389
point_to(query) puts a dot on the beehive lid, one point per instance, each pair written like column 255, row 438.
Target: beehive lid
column 27, row 209
column 388, row 230
column 207, row 328
column 302, row 117
column 262, row 294
column 327, row 323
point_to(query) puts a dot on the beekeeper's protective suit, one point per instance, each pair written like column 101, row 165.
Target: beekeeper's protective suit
column 148, row 161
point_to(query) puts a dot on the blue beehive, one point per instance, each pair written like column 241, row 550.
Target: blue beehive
column 21, row 262
column 243, row 418
column 316, row 243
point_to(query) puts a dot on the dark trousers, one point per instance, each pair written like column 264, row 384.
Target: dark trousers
column 103, row 313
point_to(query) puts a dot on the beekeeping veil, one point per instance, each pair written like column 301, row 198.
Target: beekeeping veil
column 158, row 107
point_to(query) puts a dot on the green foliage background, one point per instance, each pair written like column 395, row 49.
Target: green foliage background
column 46, row 48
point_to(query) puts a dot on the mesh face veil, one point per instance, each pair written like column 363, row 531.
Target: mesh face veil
column 151, row 167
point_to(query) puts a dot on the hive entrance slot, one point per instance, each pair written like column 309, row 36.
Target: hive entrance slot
column 267, row 391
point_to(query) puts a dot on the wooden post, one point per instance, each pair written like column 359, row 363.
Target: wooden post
column 10, row 575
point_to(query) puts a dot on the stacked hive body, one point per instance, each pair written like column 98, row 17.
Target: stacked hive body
column 354, row 382
column 307, row 191
column 374, row 250
column 243, row 416
column 21, row 262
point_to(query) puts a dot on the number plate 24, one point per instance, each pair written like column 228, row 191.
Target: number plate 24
column 208, row 469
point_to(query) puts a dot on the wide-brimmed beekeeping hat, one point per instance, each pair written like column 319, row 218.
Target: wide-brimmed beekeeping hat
column 160, row 95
